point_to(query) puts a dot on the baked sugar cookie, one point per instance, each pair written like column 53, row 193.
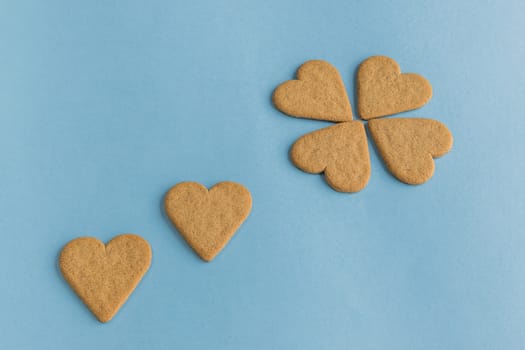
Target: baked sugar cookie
column 207, row 219
column 318, row 93
column 382, row 90
column 104, row 276
column 339, row 151
column 408, row 146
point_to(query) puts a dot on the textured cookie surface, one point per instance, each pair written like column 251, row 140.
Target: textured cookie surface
column 104, row 276
column 382, row 90
column 340, row 151
column 408, row 146
column 207, row 219
column 318, row 93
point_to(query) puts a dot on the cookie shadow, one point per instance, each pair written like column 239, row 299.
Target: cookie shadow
column 270, row 98
column 355, row 94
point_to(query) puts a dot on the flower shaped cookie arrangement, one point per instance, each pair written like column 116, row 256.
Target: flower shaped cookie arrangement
column 105, row 275
column 408, row 146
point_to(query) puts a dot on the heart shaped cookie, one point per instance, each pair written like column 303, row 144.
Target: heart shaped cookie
column 340, row 151
column 318, row 93
column 104, row 276
column 382, row 89
column 408, row 146
column 207, row 219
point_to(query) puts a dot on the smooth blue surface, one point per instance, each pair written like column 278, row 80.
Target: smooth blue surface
column 105, row 105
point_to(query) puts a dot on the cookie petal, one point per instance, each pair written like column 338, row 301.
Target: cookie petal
column 340, row 151
column 318, row 93
column 408, row 146
column 382, row 90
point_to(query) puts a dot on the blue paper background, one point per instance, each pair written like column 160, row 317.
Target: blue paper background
column 105, row 105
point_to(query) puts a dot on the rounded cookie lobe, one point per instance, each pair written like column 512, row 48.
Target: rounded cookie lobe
column 207, row 219
column 340, row 151
column 318, row 93
column 383, row 90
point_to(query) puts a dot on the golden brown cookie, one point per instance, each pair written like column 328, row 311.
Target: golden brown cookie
column 104, row 276
column 318, row 93
column 408, row 146
column 340, row 151
column 208, row 219
column 382, row 89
